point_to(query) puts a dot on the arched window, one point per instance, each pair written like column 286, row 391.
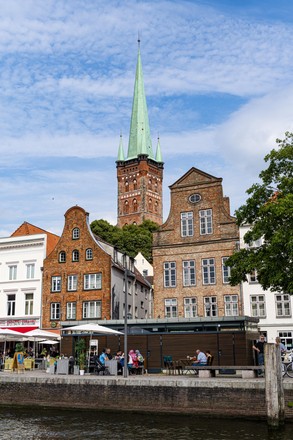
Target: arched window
column 75, row 255
column 75, row 233
column 156, row 207
column 150, row 186
column 134, row 204
column 126, row 207
column 126, row 185
column 62, row 257
column 156, row 187
column 89, row 254
column 150, row 205
column 134, row 184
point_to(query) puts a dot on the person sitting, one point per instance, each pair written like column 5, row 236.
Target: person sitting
column 209, row 357
column 103, row 357
column 201, row 359
column 132, row 362
column 119, row 356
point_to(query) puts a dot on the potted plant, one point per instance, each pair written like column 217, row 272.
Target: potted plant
column 80, row 354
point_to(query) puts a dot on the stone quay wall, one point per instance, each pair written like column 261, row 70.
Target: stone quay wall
column 205, row 397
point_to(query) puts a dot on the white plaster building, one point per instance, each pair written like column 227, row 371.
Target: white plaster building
column 273, row 309
column 21, row 262
column 143, row 266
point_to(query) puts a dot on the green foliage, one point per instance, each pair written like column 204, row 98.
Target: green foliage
column 130, row 239
column 80, row 352
column 19, row 347
column 269, row 211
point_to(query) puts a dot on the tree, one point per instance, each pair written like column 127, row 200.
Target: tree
column 130, row 239
column 269, row 212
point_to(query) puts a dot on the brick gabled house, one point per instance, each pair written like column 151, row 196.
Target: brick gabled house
column 83, row 278
column 190, row 249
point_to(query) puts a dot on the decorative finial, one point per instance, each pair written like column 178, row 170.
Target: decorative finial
column 138, row 39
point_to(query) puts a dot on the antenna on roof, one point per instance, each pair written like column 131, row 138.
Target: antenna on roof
column 138, row 39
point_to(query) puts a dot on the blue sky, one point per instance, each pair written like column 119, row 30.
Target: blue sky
column 218, row 80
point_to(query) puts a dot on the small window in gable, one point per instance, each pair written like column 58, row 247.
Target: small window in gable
column 89, row 254
column 62, row 257
column 75, row 255
column 75, row 233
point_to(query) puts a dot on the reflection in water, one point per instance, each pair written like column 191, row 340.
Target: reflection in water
column 55, row 424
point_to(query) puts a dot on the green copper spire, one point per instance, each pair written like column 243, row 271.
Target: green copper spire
column 120, row 150
column 139, row 136
column 159, row 153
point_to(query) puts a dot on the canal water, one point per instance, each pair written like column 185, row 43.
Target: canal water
column 35, row 424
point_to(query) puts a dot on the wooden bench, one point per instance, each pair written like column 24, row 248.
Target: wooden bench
column 247, row 371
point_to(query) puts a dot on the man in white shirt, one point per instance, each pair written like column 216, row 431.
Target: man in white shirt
column 201, row 358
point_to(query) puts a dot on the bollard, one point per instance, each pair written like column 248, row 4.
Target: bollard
column 275, row 403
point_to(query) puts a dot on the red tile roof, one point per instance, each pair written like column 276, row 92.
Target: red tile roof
column 29, row 229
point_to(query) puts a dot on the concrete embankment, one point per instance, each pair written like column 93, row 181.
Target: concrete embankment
column 223, row 397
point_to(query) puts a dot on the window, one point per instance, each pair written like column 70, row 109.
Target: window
column 30, row 270
column 189, row 273
column 12, row 272
column 75, row 255
column 156, row 206
column 145, row 272
column 283, row 305
column 156, row 187
column 55, row 311
column 91, row 309
column 72, row 282
column 194, row 198
column 75, row 233
column 210, row 306
column 134, row 205
column 252, row 277
column 170, row 274
column 226, row 270
column 126, row 207
column 231, row 305
column 62, row 257
column 206, row 221
column 89, row 254
column 171, row 308
column 190, row 307
column 150, row 185
column 258, row 306
column 286, row 338
column 150, row 205
column 186, row 224
column 126, row 185
column 208, row 271
column 56, row 284
column 11, row 305
column 71, row 310
column 134, row 184
column 93, row 281
column 141, row 304
column 29, row 303
column 136, row 312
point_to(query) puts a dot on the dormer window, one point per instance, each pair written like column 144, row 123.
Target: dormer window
column 75, row 234
column 62, row 257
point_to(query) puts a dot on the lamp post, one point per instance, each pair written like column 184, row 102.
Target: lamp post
column 125, row 369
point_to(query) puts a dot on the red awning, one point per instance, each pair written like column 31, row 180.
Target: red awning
column 21, row 329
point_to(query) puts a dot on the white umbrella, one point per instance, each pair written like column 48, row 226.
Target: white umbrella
column 38, row 334
column 49, row 342
column 92, row 329
column 12, row 335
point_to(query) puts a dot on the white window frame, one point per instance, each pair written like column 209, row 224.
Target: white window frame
column 62, row 257
column 71, row 310
column 283, row 305
column 72, row 283
column 92, row 281
column 55, row 311
column 189, row 273
column 11, row 302
column 91, row 309
column 29, row 304
column 252, row 277
column 231, row 305
column 89, row 254
column 226, row 271
column 208, row 271
column 206, row 221
column 171, row 308
column 187, row 226
column 258, row 306
column 56, row 282
column 75, row 255
column 286, row 337
column 30, row 271
column 190, row 307
column 170, row 274
column 12, row 272
column 75, row 233
column 210, row 306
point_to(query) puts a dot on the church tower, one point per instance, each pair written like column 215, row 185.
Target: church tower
column 140, row 174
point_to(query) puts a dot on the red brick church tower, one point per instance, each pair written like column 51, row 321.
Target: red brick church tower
column 140, row 174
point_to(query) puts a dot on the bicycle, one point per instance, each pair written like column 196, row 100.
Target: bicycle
column 289, row 369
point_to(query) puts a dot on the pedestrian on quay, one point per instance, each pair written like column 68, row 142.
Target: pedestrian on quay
column 258, row 347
